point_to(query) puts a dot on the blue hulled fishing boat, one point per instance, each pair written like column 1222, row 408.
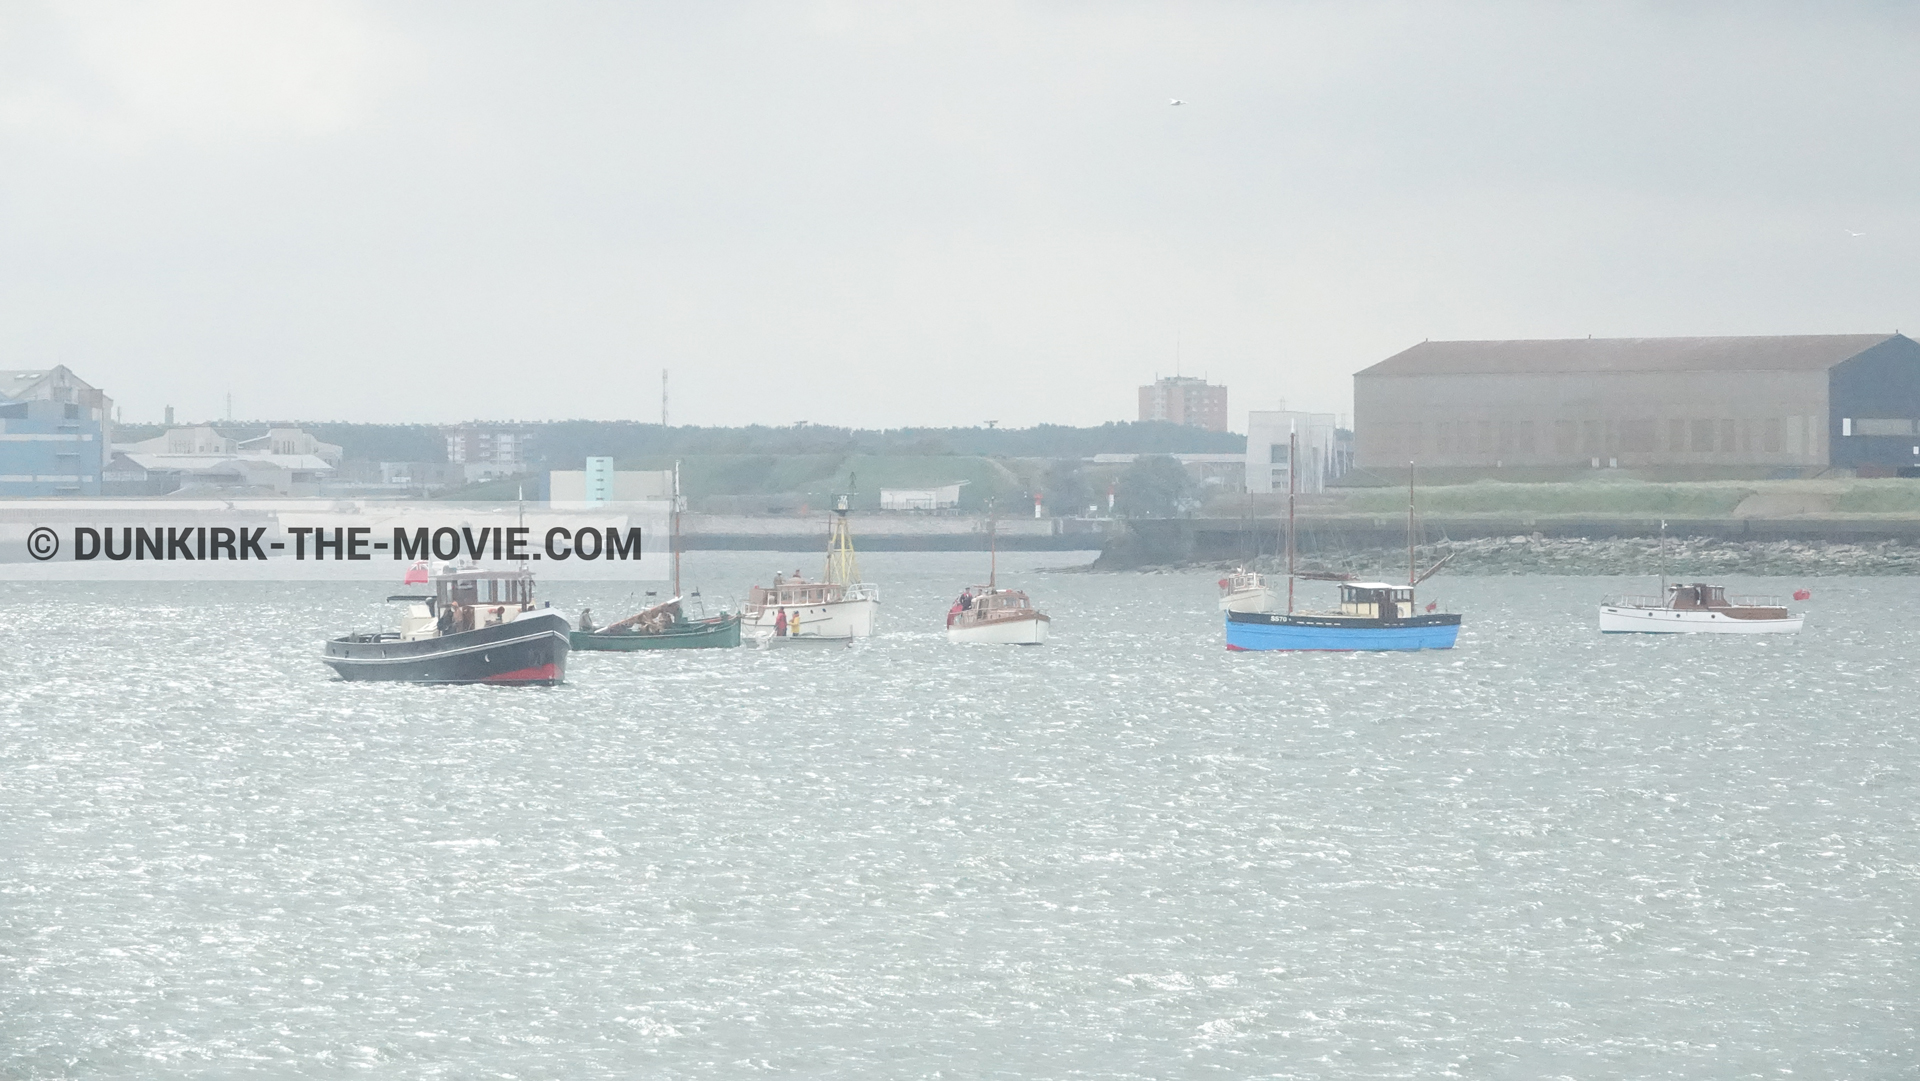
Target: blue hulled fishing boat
column 1371, row 615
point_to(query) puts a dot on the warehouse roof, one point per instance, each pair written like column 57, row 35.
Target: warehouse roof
column 1794, row 352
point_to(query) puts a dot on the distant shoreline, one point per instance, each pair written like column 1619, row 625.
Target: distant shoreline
column 1686, row 557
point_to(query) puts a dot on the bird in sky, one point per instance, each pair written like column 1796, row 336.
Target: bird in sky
column 1176, row 101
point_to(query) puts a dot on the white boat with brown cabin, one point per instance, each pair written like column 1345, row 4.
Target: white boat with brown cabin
column 1695, row 609
column 999, row 616
column 990, row 614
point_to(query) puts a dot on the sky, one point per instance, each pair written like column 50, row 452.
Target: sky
column 887, row 215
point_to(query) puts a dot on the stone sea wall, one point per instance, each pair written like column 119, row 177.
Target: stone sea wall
column 1685, row 557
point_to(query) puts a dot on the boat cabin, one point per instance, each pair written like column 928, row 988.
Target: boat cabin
column 1698, row 595
column 1241, row 581
column 466, row 599
column 1376, row 600
column 991, row 606
column 1701, row 597
column 990, row 599
column 476, row 588
column 794, row 592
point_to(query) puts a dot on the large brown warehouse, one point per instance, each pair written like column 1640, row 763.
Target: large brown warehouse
column 1791, row 404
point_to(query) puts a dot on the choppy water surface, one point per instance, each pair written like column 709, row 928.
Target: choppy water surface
column 1126, row 854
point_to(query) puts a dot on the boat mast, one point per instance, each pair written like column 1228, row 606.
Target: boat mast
column 993, row 550
column 676, row 530
column 1412, row 572
column 843, row 567
column 1293, row 460
column 1663, row 561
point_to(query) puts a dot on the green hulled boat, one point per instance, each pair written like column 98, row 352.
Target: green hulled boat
column 665, row 625
column 661, row 627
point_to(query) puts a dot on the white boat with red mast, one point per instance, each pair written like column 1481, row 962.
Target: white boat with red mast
column 992, row 615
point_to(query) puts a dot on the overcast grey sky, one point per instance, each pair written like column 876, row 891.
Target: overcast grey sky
column 893, row 214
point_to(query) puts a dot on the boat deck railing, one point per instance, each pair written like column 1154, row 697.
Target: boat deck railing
column 858, row 591
column 1633, row 600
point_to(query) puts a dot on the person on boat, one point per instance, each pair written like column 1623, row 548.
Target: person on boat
column 780, row 623
column 586, row 621
column 793, row 625
column 966, row 599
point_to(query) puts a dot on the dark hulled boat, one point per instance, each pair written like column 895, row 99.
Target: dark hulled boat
column 477, row 626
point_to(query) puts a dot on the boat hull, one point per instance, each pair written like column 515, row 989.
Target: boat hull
column 722, row 633
column 1620, row 619
column 803, row 641
column 530, row 650
column 1004, row 632
column 1251, row 631
column 1261, row 599
column 832, row 619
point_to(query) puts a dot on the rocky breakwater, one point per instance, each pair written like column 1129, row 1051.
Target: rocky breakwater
column 1685, row 557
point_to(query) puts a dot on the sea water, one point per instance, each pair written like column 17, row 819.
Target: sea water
column 1128, row 853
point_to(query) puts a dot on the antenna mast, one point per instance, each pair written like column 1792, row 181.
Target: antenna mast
column 993, row 549
column 1412, row 573
column 676, row 533
column 1663, row 561
column 663, row 397
column 1293, row 458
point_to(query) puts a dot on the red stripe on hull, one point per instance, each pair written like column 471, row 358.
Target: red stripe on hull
column 546, row 673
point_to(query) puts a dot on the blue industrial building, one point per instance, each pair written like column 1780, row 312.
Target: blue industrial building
column 55, row 433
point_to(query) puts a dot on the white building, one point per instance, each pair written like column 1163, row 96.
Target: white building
column 1267, row 450
column 284, row 461
column 945, row 497
column 292, row 441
